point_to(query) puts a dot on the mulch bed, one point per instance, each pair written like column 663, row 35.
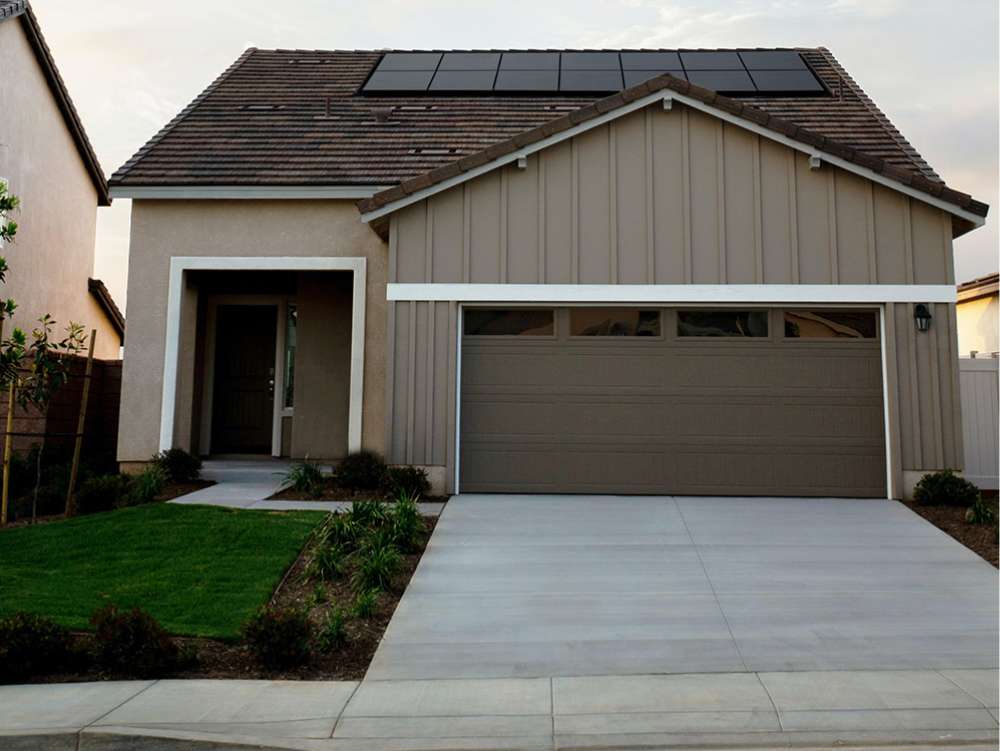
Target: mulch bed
column 980, row 539
column 176, row 490
column 333, row 492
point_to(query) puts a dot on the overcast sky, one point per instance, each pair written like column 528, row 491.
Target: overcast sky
column 131, row 65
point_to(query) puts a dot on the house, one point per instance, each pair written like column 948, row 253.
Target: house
column 979, row 317
column 635, row 271
column 48, row 162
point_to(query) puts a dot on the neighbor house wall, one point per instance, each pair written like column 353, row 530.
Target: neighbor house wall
column 53, row 254
column 674, row 197
column 979, row 325
column 280, row 228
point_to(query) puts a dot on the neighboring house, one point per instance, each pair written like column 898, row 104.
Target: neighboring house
column 979, row 317
column 491, row 265
column 47, row 161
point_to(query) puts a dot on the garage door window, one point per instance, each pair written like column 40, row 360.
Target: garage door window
column 509, row 322
column 722, row 323
column 613, row 322
column 830, row 324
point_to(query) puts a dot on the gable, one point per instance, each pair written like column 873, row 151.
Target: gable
column 672, row 196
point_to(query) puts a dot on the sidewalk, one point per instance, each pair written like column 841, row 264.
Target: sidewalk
column 722, row 710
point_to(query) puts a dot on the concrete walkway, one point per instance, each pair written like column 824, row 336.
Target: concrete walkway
column 537, row 586
column 248, row 483
column 729, row 710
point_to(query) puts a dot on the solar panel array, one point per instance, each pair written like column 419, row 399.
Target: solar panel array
column 743, row 73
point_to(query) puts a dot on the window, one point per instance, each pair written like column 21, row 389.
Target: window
column 511, row 322
column 733, row 323
column 291, row 322
column 830, row 324
column 613, row 322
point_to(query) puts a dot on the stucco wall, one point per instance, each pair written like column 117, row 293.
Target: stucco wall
column 979, row 325
column 53, row 254
column 671, row 198
column 161, row 229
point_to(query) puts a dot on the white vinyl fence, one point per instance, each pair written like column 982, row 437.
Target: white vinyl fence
column 980, row 419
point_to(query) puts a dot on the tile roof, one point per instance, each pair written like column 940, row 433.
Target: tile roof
column 100, row 292
column 294, row 117
column 10, row 9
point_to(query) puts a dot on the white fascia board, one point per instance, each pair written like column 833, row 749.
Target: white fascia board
column 665, row 294
column 246, row 192
column 665, row 95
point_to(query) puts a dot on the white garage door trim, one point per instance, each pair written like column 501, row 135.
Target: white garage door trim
column 458, row 377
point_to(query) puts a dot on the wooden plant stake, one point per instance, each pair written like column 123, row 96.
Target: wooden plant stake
column 80, row 422
column 8, row 440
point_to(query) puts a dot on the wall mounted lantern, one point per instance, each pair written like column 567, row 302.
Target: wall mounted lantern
column 922, row 315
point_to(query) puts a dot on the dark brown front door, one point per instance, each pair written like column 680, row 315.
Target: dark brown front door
column 243, row 401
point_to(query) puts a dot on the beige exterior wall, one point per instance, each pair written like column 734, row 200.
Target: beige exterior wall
column 161, row 229
column 53, row 254
column 979, row 325
column 671, row 198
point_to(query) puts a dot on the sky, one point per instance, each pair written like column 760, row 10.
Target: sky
column 932, row 67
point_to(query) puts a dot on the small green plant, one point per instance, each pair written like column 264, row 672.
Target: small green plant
column 365, row 604
column 178, row 465
column 32, row 646
column 369, row 514
column 279, row 637
column 131, row 643
column 407, row 524
column 328, row 562
column 945, row 488
column 334, row 631
column 101, row 493
column 342, row 530
column 376, row 566
column 144, row 487
column 363, row 470
column 304, row 477
column 318, row 596
column 407, row 480
column 981, row 512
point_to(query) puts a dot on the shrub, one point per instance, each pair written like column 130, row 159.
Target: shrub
column 406, row 480
column 342, row 530
column 144, row 487
column 407, row 524
column 945, row 488
column 178, row 465
column 377, row 565
column 363, row 470
column 328, row 562
column 365, row 603
column 304, row 477
column 101, row 493
column 279, row 637
column 981, row 512
column 131, row 643
column 334, row 633
column 30, row 646
column 369, row 514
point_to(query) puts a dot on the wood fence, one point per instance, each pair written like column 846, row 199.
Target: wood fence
column 980, row 419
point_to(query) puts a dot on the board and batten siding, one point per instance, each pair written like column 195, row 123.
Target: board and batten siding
column 668, row 197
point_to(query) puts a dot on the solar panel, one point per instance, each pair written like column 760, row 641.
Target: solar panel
column 463, row 80
column 529, row 61
column 786, row 81
column 773, row 60
column 527, row 80
column 743, row 73
column 470, row 61
column 725, row 81
column 590, row 80
column 409, row 61
column 590, row 61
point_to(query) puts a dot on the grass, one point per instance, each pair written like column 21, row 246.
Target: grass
column 199, row 570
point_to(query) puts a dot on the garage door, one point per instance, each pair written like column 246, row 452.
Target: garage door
column 672, row 401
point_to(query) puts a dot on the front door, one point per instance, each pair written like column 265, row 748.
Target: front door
column 243, row 400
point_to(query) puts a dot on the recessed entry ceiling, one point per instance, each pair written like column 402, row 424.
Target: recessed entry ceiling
column 743, row 72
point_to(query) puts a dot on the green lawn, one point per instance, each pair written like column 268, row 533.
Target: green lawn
column 199, row 570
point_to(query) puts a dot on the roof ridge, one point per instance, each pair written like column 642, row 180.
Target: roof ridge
column 122, row 171
column 756, row 115
column 890, row 129
column 11, row 8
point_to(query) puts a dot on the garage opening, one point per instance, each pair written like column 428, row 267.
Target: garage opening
column 676, row 401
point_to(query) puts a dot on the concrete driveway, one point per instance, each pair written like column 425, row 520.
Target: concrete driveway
column 524, row 586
